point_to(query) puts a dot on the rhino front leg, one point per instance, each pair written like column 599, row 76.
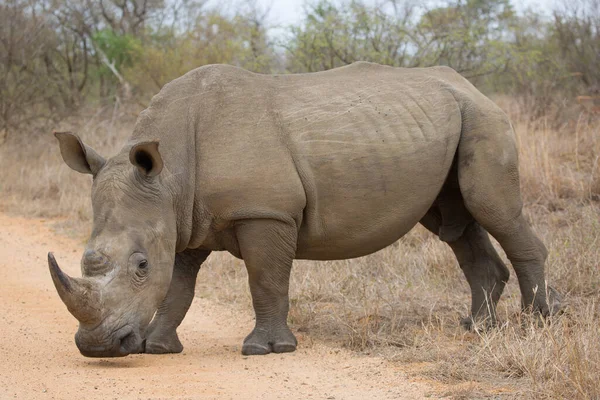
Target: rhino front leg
column 268, row 248
column 161, row 335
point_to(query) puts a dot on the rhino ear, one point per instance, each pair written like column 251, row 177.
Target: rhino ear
column 146, row 157
column 77, row 155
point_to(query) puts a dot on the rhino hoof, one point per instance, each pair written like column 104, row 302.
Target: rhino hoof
column 477, row 325
column 260, row 342
column 255, row 349
column 284, row 348
column 164, row 346
column 467, row 323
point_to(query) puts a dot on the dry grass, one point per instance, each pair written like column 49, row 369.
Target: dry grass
column 405, row 301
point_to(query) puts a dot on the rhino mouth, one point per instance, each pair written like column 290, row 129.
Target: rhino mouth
column 126, row 341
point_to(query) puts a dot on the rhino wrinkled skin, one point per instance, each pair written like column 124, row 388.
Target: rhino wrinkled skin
column 272, row 168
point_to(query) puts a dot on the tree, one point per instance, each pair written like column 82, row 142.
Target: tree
column 331, row 36
column 32, row 87
column 471, row 36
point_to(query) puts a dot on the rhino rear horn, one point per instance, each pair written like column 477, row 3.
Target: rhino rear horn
column 78, row 294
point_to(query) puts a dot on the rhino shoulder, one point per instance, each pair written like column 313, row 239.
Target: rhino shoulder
column 216, row 72
column 202, row 79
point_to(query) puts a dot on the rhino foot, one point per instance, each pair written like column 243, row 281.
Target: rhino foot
column 467, row 323
column 544, row 308
column 477, row 325
column 261, row 342
column 163, row 344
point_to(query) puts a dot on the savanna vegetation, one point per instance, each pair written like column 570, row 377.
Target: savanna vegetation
column 91, row 66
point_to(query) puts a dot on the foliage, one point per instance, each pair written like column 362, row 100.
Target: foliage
column 466, row 35
column 545, row 62
column 59, row 55
column 214, row 39
column 33, row 60
column 332, row 36
column 469, row 35
column 121, row 50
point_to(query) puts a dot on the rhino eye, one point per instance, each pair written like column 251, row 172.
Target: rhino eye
column 143, row 264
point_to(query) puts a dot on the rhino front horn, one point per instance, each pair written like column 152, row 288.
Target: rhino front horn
column 78, row 295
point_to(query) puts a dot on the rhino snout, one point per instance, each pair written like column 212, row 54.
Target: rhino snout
column 124, row 341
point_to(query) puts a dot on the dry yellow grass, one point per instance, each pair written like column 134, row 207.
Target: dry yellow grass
column 405, row 301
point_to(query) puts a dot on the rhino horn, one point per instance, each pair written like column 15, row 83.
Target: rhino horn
column 78, row 294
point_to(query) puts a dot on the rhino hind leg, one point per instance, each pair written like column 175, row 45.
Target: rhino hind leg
column 268, row 248
column 479, row 261
column 161, row 335
column 488, row 175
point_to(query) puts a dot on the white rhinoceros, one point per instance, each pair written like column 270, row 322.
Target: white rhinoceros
column 272, row 168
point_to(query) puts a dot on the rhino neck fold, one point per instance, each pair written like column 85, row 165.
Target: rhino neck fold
column 184, row 181
column 182, row 184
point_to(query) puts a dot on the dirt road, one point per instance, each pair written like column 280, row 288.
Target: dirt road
column 39, row 360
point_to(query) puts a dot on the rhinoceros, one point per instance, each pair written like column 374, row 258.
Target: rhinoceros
column 271, row 168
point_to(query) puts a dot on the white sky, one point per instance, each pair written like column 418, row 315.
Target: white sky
column 286, row 12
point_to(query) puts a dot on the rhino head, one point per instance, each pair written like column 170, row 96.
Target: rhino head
column 128, row 261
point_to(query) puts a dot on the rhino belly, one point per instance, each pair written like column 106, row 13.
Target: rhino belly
column 362, row 197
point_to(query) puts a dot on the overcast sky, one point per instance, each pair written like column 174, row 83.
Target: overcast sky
column 286, row 12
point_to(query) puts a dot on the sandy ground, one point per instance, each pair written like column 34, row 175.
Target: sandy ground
column 39, row 360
